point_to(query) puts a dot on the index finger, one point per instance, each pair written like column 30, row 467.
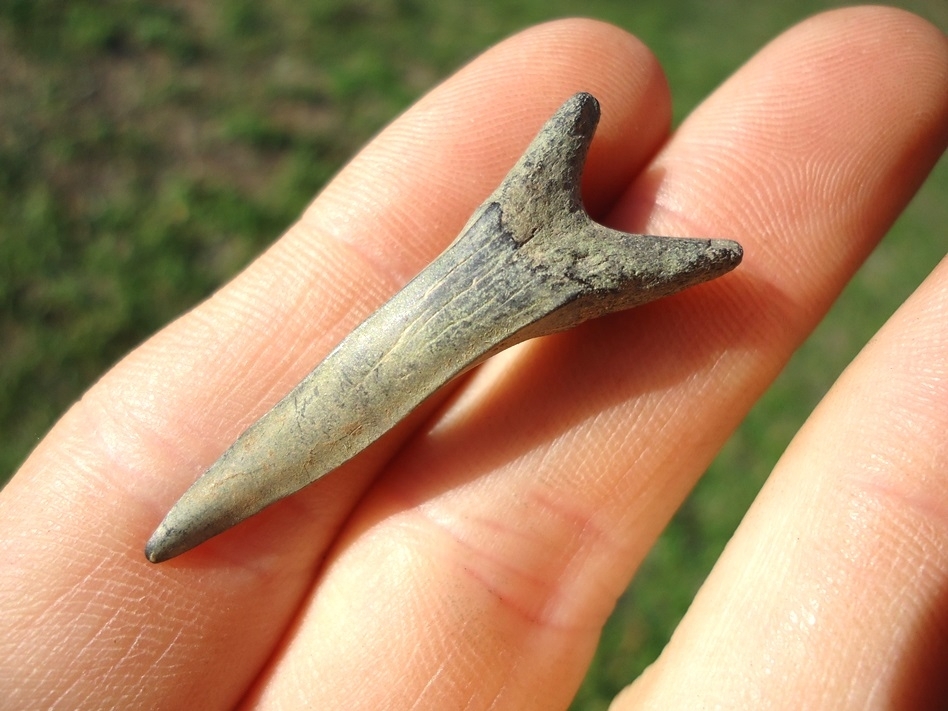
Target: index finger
column 77, row 591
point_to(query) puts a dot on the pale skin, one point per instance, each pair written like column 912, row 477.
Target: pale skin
column 471, row 557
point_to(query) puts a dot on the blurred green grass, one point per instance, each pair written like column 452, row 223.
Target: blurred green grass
column 149, row 150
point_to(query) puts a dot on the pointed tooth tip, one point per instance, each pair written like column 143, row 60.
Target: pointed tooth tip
column 160, row 547
column 169, row 541
column 153, row 549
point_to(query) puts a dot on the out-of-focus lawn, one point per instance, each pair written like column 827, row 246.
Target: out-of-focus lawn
column 149, row 150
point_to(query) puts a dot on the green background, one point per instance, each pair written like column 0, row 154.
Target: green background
column 149, row 150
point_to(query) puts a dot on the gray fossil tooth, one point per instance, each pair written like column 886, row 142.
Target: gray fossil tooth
column 529, row 262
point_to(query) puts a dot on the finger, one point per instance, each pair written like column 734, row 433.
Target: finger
column 76, row 590
column 832, row 592
column 483, row 566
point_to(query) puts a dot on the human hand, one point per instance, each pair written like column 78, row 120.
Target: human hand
column 470, row 558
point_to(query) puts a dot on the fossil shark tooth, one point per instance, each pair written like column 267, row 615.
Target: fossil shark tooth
column 529, row 262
